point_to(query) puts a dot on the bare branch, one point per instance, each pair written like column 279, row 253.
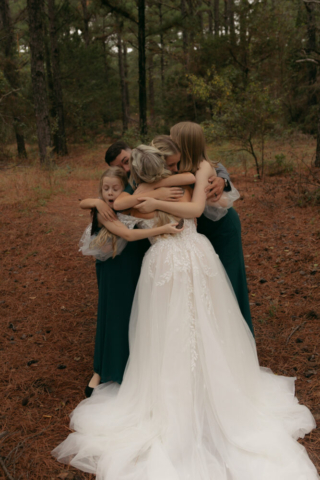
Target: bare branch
column 120, row 11
column 308, row 60
column 4, row 468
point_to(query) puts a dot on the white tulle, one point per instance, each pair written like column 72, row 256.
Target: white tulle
column 216, row 210
column 105, row 251
column 194, row 403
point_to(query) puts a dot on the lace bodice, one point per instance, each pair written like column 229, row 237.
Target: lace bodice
column 189, row 227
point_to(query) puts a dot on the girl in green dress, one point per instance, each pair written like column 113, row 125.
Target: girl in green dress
column 118, row 269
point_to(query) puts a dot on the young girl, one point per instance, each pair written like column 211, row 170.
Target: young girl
column 194, row 402
column 224, row 234
column 117, row 278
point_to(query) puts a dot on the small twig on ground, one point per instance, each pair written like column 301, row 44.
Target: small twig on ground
column 294, row 331
column 4, row 468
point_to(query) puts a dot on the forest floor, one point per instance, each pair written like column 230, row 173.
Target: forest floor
column 48, row 300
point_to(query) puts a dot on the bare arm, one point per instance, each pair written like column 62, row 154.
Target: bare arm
column 185, row 210
column 180, row 179
column 119, row 229
column 155, row 190
column 104, row 209
column 126, row 201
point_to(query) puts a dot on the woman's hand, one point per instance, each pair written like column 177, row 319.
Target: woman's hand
column 105, row 211
column 172, row 228
column 215, row 188
column 170, row 194
column 148, row 205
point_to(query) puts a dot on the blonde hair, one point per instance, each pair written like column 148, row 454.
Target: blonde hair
column 148, row 166
column 104, row 235
column 165, row 145
column 190, row 138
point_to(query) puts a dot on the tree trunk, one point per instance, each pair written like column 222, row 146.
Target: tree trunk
column 60, row 135
column 151, row 87
column 225, row 16
column 311, row 47
column 210, row 18
column 317, row 160
column 231, row 20
column 122, row 84
column 216, row 18
column 126, row 76
column 142, row 68
column 22, row 153
column 184, row 31
column 11, row 72
column 86, row 19
column 35, row 8
column 162, row 51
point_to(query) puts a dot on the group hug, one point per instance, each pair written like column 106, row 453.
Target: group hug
column 177, row 392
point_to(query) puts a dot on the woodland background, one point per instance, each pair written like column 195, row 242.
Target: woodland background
column 75, row 71
column 75, row 75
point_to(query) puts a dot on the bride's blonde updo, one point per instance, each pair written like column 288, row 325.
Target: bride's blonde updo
column 147, row 165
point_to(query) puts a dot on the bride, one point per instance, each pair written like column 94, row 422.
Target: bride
column 194, row 402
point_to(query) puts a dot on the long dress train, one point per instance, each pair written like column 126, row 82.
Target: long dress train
column 194, row 403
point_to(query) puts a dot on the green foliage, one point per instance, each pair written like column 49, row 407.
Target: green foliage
column 246, row 117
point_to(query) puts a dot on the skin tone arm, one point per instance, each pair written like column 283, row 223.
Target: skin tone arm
column 119, row 229
column 105, row 211
column 183, row 210
column 166, row 189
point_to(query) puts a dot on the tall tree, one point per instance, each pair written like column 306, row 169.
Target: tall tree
column 60, row 144
column 122, row 82
column 216, row 18
column 11, row 72
column 35, row 9
column 142, row 66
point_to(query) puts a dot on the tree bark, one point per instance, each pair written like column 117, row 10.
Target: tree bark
column 226, row 19
column 60, row 134
column 126, row 76
column 35, row 9
column 311, row 47
column 86, row 19
column 142, row 68
column 317, row 160
column 184, row 31
column 216, row 18
column 122, row 84
column 231, row 20
column 210, row 17
column 11, row 72
column 151, row 87
column 162, row 51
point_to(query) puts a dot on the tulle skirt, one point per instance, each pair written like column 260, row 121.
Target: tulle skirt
column 194, row 403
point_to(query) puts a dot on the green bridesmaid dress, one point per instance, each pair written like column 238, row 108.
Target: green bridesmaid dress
column 117, row 281
column 225, row 237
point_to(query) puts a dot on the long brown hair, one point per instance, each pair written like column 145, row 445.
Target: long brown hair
column 165, row 145
column 104, row 235
column 190, row 138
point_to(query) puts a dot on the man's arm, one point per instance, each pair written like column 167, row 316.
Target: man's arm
column 222, row 172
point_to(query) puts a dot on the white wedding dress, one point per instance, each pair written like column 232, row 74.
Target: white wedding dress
column 194, row 403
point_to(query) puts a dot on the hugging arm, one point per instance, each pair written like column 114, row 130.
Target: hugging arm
column 105, row 211
column 183, row 209
column 119, row 229
column 166, row 189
